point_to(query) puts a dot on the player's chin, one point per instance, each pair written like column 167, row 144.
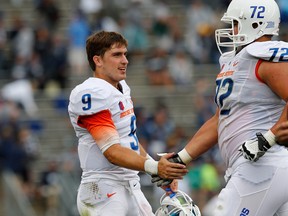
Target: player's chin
column 122, row 76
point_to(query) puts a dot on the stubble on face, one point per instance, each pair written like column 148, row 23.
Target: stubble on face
column 114, row 65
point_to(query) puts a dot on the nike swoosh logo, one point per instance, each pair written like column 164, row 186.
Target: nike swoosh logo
column 235, row 63
column 110, row 194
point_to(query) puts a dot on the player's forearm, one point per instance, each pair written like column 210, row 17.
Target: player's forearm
column 283, row 118
column 280, row 129
column 142, row 151
column 125, row 157
column 204, row 139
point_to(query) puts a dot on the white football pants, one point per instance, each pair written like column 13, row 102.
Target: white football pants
column 109, row 198
column 256, row 188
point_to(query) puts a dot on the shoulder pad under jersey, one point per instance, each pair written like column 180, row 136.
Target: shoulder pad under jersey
column 274, row 51
column 91, row 96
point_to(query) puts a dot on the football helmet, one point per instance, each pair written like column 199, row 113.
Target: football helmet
column 255, row 18
column 177, row 204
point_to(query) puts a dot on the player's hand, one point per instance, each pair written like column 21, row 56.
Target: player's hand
column 172, row 188
column 282, row 134
column 256, row 148
column 170, row 166
column 165, row 182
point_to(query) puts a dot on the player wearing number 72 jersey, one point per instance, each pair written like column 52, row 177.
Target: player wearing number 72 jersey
column 101, row 112
column 251, row 93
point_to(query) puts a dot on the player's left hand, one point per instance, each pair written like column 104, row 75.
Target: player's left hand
column 168, row 168
column 165, row 182
column 256, row 148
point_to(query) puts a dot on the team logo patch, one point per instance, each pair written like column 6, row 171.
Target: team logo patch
column 110, row 194
column 121, row 106
column 270, row 24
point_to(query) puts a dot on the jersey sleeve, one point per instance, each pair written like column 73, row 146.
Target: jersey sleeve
column 85, row 101
column 101, row 127
column 274, row 51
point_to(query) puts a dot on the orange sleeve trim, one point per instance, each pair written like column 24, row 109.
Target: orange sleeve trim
column 256, row 70
column 101, row 127
column 100, row 119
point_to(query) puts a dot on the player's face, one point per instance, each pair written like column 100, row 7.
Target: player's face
column 235, row 27
column 113, row 64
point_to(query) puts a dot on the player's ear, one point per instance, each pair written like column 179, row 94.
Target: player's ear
column 97, row 60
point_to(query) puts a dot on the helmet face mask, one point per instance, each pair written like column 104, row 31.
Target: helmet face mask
column 255, row 18
column 178, row 205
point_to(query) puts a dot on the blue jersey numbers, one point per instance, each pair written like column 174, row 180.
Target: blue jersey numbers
column 283, row 52
column 86, row 100
column 257, row 11
column 134, row 145
column 224, row 88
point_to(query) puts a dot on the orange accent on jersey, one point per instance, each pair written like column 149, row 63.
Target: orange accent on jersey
column 226, row 73
column 110, row 194
column 127, row 112
column 256, row 70
column 100, row 125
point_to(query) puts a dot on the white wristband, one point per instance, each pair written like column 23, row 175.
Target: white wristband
column 184, row 156
column 151, row 167
column 270, row 137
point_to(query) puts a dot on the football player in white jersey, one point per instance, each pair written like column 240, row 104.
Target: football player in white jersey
column 251, row 93
column 101, row 112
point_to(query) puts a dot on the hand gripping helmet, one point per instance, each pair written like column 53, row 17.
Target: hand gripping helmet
column 255, row 18
column 177, row 204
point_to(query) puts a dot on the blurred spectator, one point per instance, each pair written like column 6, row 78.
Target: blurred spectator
column 59, row 60
column 18, row 150
column 177, row 139
column 70, row 163
column 157, row 129
column 78, row 31
column 204, row 101
column 35, row 71
column 104, row 21
column 201, row 23
column 210, row 183
column 132, row 26
column 161, row 14
column 43, row 49
column 90, row 8
column 50, row 188
column 161, row 25
column 21, row 36
column 21, row 92
column 181, row 67
column 19, row 70
column 157, row 69
column 49, row 12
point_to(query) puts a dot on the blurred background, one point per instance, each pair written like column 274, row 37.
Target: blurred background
column 173, row 64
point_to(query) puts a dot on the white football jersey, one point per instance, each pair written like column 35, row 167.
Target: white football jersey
column 90, row 97
column 246, row 104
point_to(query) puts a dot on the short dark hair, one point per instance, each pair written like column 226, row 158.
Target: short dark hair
column 99, row 42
